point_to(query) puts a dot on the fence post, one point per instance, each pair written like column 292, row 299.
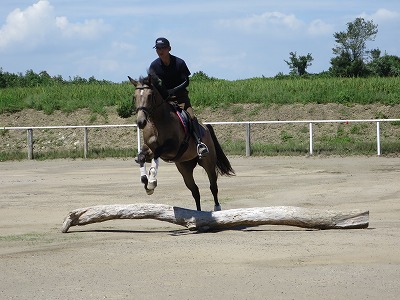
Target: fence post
column 248, row 148
column 378, row 138
column 311, row 138
column 85, row 142
column 29, row 133
column 138, row 138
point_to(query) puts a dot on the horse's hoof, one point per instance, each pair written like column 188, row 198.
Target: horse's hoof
column 152, row 185
column 217, row 208
column 144, row 180
column 152, row 179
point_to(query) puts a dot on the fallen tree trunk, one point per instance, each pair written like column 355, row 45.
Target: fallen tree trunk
column 203, row 220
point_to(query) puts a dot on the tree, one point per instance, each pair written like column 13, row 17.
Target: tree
column 351, row 50
column 375, row 53
column 385, row 66
column 298, row 65
column 3, row 81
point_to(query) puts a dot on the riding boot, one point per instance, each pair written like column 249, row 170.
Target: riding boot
column 202, row 149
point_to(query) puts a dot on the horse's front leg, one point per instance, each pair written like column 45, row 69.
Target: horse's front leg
column 148, row 179
column 152, row 174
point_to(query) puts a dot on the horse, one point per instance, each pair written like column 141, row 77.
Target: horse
column 166, row 136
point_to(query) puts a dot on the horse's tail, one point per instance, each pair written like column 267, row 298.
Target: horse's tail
column 223, row 165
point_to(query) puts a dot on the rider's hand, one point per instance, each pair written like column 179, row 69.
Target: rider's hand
column 171, row 92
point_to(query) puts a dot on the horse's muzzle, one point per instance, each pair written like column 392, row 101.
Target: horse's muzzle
column 141, row 119
column 141, row 124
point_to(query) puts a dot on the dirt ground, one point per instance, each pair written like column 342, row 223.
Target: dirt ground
column 149, row 259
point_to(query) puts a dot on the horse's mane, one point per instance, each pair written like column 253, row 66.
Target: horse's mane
column 153, row 81
column 144, row 80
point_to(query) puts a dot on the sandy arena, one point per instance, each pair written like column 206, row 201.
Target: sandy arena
column 149, row 259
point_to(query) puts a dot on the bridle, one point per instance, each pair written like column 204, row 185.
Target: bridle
column 153, row 106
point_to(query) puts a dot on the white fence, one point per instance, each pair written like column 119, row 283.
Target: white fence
column 310, row 123
column 247, row 124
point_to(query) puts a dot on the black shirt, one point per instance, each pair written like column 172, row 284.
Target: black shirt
column 172, row 75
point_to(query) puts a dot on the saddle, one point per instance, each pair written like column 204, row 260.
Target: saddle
column 184, row 117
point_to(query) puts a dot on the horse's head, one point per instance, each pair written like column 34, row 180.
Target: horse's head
column 147, row 98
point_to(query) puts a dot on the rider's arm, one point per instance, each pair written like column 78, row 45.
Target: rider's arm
column 179, row 88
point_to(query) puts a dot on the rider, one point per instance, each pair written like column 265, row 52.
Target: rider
column 174, row 74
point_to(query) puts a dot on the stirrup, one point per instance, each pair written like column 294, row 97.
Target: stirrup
column 202, row 150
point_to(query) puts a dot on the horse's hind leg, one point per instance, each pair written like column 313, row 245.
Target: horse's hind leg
column 186, row 169
column 212, row 177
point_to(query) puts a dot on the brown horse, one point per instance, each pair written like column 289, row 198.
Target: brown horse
column 165, row 136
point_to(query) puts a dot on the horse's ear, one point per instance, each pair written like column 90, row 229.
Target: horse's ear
column 150, row 72
column 134, row 82
column 154, row 79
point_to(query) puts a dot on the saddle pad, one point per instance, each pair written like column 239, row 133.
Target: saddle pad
column 186, row 122
column 184, row 118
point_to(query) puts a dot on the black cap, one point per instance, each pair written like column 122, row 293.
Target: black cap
column 161, row 42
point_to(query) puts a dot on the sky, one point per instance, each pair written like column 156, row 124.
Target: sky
column 227, row 39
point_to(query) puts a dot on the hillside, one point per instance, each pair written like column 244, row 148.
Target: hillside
column 69, row 139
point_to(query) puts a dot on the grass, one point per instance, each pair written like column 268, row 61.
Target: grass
column 66, row 98
column 27, row 237
column 71, row 154
column 35, row 238
column 325, row 147
column 209, row 93
column 219, row 93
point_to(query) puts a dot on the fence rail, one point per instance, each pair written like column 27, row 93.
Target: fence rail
column 30, row 139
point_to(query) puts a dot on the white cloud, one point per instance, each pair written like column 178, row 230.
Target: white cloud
column 27, row 25
column 277, row 18
column 37, row 24
column 319, row 27
column 264, row 22
column 88, row 29
column 278, row 23
column 382, row 15
column 123, row 46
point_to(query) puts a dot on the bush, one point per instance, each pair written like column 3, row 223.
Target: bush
column 125, row 109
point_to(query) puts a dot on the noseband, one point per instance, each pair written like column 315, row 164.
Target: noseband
column 146, row 111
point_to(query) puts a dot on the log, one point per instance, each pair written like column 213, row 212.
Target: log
column 217, row 220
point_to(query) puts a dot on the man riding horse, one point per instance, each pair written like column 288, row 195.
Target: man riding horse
column 174, row 74
column 166, row 134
